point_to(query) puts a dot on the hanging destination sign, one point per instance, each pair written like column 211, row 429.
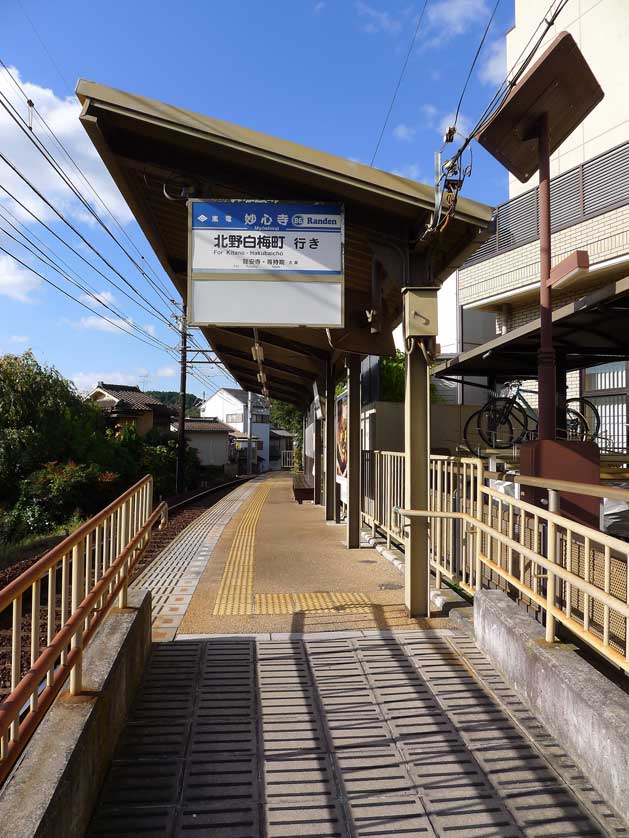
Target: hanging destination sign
column 266, row 263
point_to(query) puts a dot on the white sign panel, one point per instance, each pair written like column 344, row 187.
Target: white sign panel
column 265, row 263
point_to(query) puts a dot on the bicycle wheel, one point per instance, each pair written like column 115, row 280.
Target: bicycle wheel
column 577, row 426
column 471, row 436
column 590, row 414
column 495, row 424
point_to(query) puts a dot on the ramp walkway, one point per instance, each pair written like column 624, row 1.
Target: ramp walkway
column 298, row 700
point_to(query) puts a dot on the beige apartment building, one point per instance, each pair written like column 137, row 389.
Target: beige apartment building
column 589, row 206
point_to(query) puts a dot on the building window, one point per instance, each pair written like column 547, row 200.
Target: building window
column 233, row 418
column 261, row 418
column 606, row 386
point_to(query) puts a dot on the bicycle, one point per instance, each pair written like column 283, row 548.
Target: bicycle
column 503, row 421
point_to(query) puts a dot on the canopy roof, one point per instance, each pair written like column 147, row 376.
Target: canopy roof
column 591, row 330
column 159, row 154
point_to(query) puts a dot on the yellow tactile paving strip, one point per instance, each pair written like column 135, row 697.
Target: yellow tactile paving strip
column 317, row 602
column 235, row 595
column 279, row 567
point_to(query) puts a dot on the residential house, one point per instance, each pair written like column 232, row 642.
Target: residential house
column 230, row 405
column 589, row 209
column 128, row 405
column 209, row 437
column 280, row 441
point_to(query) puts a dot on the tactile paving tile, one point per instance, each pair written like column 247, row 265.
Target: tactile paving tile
column 173, row 576
column 370, row 737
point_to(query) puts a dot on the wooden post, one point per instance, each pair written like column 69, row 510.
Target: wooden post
column 330, row 444
column 353, row 452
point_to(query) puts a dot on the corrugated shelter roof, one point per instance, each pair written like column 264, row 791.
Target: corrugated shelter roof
column 280, row 432
column 159, row 155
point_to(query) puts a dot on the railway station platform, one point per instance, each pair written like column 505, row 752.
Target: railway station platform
column 259, row 563
column 289, row 695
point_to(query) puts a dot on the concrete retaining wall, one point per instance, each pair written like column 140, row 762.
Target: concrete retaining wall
column 54, row 786
column 585, row 712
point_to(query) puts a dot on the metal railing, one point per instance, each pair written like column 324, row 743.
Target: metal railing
column 571, row 574
column 288, row 459
column 58, row 603
column 382, row 492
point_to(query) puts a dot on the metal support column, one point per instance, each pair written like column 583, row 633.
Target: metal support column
column 330, row 445
column 546, row 354
column 317, row 461
column 353, row 451
column 181, row 427
column 417, row 450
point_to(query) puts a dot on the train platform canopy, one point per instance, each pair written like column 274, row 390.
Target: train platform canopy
column 160, row 155
column 588, row 331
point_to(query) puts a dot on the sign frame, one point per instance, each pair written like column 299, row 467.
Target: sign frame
column 263, row 276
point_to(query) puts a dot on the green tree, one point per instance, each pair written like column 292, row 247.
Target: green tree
column 287, row 417
column 171, row 398
column 42, row 418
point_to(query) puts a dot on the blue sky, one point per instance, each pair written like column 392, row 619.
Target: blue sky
column 318, row 73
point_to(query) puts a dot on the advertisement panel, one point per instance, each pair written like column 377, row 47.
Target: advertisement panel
column 341, row 444
column 265, row 263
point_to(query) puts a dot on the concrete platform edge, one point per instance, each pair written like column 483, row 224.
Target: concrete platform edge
column 583, row 710
column 55, row 785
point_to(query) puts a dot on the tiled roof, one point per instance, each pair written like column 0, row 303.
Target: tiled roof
column 204, row 425
column 280, row 432
column 132, row 396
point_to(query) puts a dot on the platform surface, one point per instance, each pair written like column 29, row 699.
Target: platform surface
column 410, row 734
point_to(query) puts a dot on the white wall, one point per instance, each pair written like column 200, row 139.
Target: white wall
column 601, row 30
column 212, row 448
column 220, row 405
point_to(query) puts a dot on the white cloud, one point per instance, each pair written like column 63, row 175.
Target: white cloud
column 167, row 372
column 373, row 20
column 404, row 132
column 19, row 339
column 103, row 297
column 150, row 328
column 98, row 324
column 17, row 282
column 493, row 69
column 454, row 17
column 86, row 381
column 319, row 7
column 62, row 115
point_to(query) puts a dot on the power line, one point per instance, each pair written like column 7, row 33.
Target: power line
column 471, row 70
column 399, row 82
column 56, row 165
column 62, row 147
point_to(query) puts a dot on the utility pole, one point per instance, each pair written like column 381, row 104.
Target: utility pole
column 249, row 458
column 181, row 428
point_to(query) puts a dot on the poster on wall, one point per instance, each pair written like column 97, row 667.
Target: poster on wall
column 341, row 444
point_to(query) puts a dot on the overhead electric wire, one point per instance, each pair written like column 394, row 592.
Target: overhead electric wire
column 473, row 64
column 513, row 75
column 26, row 128
column 62, row 147
column 84, row 259
column 399, row 82
column 32, row 249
